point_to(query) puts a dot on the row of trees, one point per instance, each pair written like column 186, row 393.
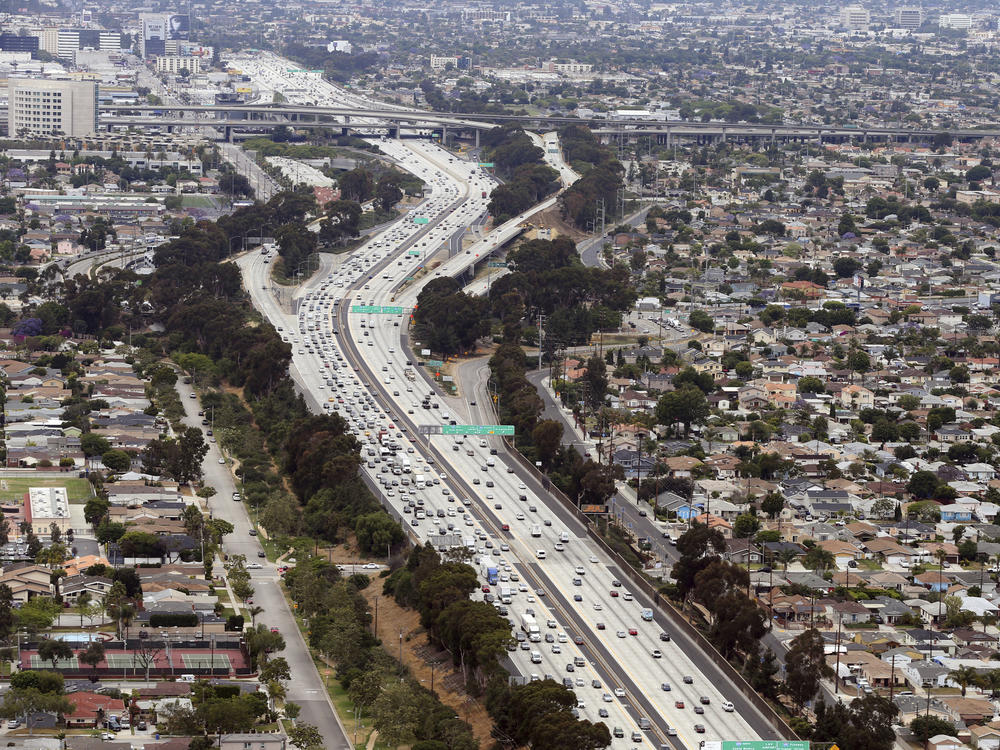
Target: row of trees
column 600, row 181
column 340, row 628
column 527, row 179
column 537, row 715
column 448, row 320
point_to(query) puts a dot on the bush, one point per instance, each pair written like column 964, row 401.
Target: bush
column 180, row 620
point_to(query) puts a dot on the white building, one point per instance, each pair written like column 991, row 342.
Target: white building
column 174, row 64
column 955, row 21
column 43, row 107
column 340, row 45
column 440, row 62
column 45, row 506
column 855, row 18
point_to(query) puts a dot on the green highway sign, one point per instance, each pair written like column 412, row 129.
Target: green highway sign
column 434, row 363
column 763, row 745
column 376, row 310
column 408, row 278
column 483, row 429
column 421, row 220
column 413, row 252
column 496, row 264
column 486, row 164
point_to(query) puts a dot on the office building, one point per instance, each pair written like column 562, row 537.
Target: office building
column 955, row 21
column 38, row 106
column 160, row 33
column 14, row 43
column 440, row 62
column 174, row 64
column 855, row 18
column 909, row 17
column 46, row 506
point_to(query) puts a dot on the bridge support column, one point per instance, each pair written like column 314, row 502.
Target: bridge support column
column 228, row 133
column 444, row 135
column 477, row 137
column 344, row 130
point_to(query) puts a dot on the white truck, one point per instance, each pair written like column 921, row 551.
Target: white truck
column 530, row 627
column 506, row 592
column 536, row 531
column 407, row 465
column 421, row 481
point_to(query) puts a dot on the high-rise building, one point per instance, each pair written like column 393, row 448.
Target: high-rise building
column 37, row 106
column 909, row 17
column 159, row 29
column 855, row 18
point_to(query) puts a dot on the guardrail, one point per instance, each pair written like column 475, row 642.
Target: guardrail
column 665, row 606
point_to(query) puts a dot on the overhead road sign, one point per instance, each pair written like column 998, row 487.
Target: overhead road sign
column 434, row 363
column 376, row 310
column 421, row 220
column 496, row 264
column 413, row 252
column 486, row 164
column 477, row 429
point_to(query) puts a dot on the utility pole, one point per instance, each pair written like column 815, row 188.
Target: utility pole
column 541, row 321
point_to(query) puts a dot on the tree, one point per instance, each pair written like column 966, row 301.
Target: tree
column 93, row 444
column 819, row 559
column 926, row 726
column 772, row 504
column 745, row 526
column 95, row 509
column 686, row 406
column 395, row 713
column 805, row 666
column 117, row 461
column 699, row 547
column 20, row 703
column 701, row 321
column 923, row 484
column 963, row 677
column 92, row 656
column 305, row 737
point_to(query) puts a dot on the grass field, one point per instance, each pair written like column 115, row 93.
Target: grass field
column 79, row 490
column 197, row 201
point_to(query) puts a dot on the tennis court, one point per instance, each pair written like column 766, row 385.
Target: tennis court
column 159, row 660
column 207, row 661
column 38, row 662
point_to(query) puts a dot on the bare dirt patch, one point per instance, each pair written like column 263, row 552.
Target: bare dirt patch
column 419, row 657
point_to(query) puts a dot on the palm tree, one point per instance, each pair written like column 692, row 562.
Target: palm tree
column 819, row 559
column 786, row 556
column 254, row 611
column 83, row 604
column 964, row 676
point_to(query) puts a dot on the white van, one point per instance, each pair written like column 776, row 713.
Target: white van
column 564, row 537
column 186, row 678
column 540, row 554
column 536, row 657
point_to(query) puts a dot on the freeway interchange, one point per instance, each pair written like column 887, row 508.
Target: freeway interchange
column 358, row 364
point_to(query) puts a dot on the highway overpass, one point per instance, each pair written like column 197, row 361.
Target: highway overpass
column 233, row 117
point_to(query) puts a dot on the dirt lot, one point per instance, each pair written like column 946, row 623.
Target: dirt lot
column 419, row 656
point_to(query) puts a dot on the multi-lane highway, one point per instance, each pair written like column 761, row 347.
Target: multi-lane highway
column 356, row 363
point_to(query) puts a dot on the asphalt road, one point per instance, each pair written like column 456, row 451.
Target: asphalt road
column 590, row 249
column 305, row 687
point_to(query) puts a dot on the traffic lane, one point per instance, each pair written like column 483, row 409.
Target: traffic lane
column 601, row 658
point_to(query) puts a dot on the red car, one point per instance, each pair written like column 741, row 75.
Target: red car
column 614, row 593
column 600, row 626
column 486, row 589
column 505, row 527
column 633, row 631
column 678, row 704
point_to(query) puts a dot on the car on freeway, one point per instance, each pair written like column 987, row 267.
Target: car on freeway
column 665, row 687
column 678, row 704
column 699, row 728
column 688, row 679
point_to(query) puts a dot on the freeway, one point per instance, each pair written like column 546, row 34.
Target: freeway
column 332, row 341
column 262, row 183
